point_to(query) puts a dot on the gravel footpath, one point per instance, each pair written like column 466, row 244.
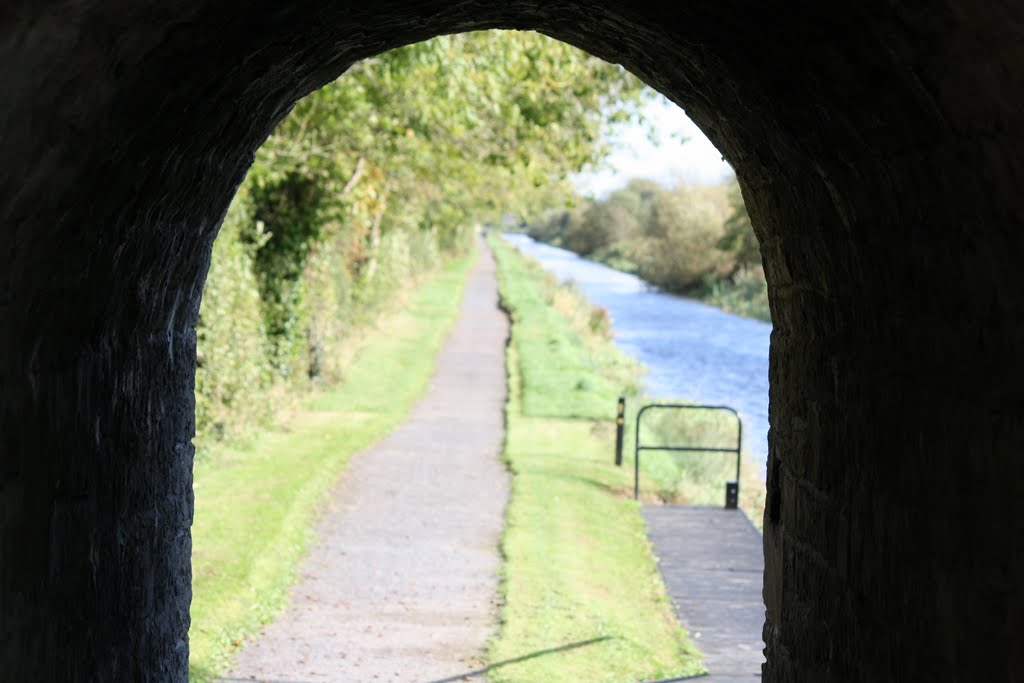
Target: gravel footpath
column 402, row 585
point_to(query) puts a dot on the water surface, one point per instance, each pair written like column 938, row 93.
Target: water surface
column 692, row 351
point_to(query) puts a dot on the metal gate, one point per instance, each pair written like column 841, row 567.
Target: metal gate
column 732, row 488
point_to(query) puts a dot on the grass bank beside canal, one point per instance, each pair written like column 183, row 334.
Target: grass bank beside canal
column 582, row 596
column 255, row 505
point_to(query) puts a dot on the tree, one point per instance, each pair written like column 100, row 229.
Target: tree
column 371, row 178
column 601, row 225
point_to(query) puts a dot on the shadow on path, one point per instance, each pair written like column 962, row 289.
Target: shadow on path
column 515, row 660
column 463, row 676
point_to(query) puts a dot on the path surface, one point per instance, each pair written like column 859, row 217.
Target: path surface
column 403, row 583
column 713, row 565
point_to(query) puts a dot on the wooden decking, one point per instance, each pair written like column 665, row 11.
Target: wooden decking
column 713, row 564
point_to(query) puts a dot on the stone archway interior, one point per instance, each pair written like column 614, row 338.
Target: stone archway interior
column 878, row 149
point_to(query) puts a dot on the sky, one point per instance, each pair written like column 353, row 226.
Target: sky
column 635, row 156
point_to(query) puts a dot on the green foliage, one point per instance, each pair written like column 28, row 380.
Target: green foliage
column 695, row 240
column 458, row 127
column 681, row 236
column 232, row 367
column 287, row 210
column 744, row 293
column 331, row 308
column 602, row 224
column 381, row 176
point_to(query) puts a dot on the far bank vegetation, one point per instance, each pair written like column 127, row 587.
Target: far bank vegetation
column 689, row 239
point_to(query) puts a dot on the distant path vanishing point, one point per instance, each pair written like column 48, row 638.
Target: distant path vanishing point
column 402, row 585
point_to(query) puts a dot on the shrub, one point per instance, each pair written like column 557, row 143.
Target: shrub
column 232, row 365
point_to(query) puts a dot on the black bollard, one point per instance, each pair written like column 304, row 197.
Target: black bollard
column 620, row 422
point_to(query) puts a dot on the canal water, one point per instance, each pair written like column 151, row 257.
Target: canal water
column 693, row 351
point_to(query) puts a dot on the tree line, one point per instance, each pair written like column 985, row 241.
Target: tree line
column 691, row 239
column 378, row 178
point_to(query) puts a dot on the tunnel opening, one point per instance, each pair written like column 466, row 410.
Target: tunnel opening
column 360, row 252
column 877, row 151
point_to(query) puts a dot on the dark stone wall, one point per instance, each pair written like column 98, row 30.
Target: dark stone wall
column 879, row 148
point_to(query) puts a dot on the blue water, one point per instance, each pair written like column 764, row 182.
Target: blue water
column 693, row 351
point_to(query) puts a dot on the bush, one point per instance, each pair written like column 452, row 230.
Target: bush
column 288, row 222
column 600, row 322
column 745, row 293
column 232, row 365
column 682, row 233
column 695, row 240
column 601, row 225
column 332, row 311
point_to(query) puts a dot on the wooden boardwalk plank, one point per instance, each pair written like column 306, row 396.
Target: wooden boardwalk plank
column 713, row 565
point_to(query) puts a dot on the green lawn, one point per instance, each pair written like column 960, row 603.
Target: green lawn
column 583, row 599
column 255, row 506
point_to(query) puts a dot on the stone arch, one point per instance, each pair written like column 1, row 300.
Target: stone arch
column 879, row 151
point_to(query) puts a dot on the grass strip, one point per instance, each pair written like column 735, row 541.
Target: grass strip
column 582, row 596
column 571, row 369
column 255, row 506
column 568, row 366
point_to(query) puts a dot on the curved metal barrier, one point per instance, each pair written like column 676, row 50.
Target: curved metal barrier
column 732, row 488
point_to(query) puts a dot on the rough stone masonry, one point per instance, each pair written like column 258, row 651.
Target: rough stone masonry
column 879, row 149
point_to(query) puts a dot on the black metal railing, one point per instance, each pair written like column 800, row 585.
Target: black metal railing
column 731, row 488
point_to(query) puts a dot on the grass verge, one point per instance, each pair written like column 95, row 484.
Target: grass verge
column 570, row 368
column 255, row 506
column 583, row 599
